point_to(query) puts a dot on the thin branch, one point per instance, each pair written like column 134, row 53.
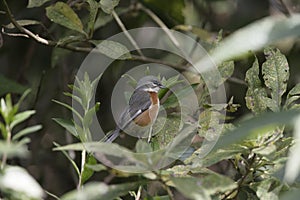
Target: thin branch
column 122, row 26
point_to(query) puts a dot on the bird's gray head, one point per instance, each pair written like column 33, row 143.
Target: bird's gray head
column 150, row 84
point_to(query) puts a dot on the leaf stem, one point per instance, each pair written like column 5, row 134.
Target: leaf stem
column 8, row 140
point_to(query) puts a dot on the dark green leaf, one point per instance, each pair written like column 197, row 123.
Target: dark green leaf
column 36, row 3
column 108, row 5
column 68, row 125
column 62, row 14
column 275, row 72
column 10, row 86
column 113, row 49
column 26, row 131
column 88, row 172
column 92, row 15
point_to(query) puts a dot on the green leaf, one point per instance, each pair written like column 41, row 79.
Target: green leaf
column 21, row 117
column 246, row 128
column 267, row 31
column 104, row 18
column 293, row 163
column 36, row 3
column 108, row 5
column 88, row 172
column 275, row 73
column 21, row 183
column 69, row 158
column 10, row 86
column 173, row 10
column 293, row 95
column 70, row 108
column 113, row 49
column 26, row 131
column 68, row 125
column 23, row 22
column 13, row 149
column 190, row 187
column 92, row 16
column 256, row 94
column 62, row 14
column 99, row 191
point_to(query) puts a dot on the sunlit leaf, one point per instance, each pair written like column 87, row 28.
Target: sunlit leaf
column 20, row 117
column 13, row 149
column 99, row 191
column 275, row 73
column 19, row 181
column 62, row 14
column 256, row 94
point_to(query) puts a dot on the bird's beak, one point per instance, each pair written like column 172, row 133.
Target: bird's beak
column 162, row 87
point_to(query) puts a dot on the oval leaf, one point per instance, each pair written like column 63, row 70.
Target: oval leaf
column 62, row 14
column 36, row 3
column 113, row 49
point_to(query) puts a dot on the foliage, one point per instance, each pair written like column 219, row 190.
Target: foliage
column 256, row 154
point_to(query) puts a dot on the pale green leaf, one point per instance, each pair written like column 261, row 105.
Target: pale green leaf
column 20, row 117
column 190, row 187
column 252, row 37
column 256, row 93
column 23, row 22
column 62, row 14
column 99, row 191
column 108, row 5
column 293, row 95
column 36, row 3
column 13, row 149
column 19, row 181
column 114, row 50
column 26, row 131
column 275, row 73
column 93, row 4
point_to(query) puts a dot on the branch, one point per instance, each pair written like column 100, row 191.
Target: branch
column 122, row 26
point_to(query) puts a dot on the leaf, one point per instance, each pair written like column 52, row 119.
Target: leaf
column 36, row 3
column 26, row 131
column 113, row 49
column 256, row 93
column 99, row 191
column 173, row 10
column 70, row 108
column 108, row 5
column 13, row 149
column 92, row 16
column 68, row 125
column 104, row 18
column 275, row 73
column 20, row 117
column 293, row 163
column 88, row 172
column 247, row 127
column 293, row 95
column 190, row 187
column 23, row 22
column 20, row 182
column 62, row 14
column 10, row 86
column 266, row 31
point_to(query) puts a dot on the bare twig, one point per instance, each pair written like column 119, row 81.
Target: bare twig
column 122, row 26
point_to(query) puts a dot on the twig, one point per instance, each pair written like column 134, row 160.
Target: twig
column 122, row 26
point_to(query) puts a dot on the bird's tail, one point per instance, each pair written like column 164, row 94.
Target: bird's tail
column 112, row 136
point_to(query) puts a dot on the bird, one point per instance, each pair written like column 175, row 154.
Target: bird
column 142, row 109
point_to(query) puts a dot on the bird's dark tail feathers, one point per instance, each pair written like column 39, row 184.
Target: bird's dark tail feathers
column 112, row 136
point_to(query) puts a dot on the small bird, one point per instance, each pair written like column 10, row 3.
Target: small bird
column 143, row 107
